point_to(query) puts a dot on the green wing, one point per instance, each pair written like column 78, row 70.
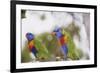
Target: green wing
column 43, row 53
column 73, row 52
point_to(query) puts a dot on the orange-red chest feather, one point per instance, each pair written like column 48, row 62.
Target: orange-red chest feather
column 63, row 40
column 31, row 45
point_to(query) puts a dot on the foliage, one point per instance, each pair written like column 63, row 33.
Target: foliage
column 23, row 13
column 25, row 54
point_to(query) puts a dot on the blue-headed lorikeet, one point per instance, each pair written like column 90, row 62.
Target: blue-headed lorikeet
column 31, row 45
column 62, row 41
column 37, row 48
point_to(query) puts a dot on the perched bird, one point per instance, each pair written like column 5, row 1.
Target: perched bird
column 37, row 48
column 62, row 39
column 31, row 45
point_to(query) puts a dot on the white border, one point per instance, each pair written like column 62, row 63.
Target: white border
column 20, row 65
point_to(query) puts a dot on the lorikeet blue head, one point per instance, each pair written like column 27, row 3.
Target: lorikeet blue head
column 57, row 32
column 57, row 29
column 29, row 36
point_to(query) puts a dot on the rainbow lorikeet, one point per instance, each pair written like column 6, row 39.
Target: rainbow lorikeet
column 37, row 48
column 31, row 45
column 62, row 41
